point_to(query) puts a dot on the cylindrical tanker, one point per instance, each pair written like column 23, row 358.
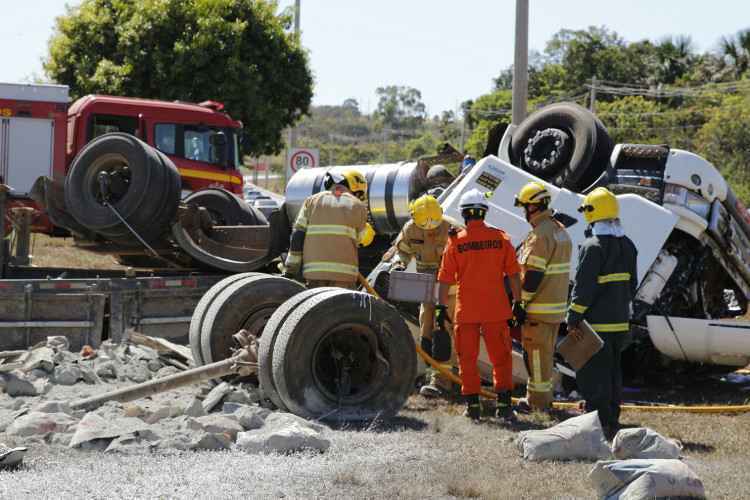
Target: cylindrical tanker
column 390, row 188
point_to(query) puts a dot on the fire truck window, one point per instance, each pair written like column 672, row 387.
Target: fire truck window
column 104, row 124
column 197, row 142
column 165, row 135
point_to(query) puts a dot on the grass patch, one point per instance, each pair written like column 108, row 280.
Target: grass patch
column 47, row 251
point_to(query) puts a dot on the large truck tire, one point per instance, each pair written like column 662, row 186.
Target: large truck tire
column 246, row 304
column 560, row 144
column 268, row 340
column 144, row 188
column 199, row 313
column 343, row 355
column 226, row 209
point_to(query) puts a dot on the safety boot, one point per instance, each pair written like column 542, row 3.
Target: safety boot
column 503, row 409
column 473, row 410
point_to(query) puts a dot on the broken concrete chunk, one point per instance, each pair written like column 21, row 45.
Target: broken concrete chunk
column 130, row 444
column 281, row 418
column 244, row 396
column 67, row 374
column 154, row 365
column 166, row 371
column 58, row 343
column 53, row 407
column 215, row 424
column 89, row 375
column 216, row 396
column 41, row 358
column 16, row 386
column 208, row 441
column 40, row 424
column 94, row 426
column 195, row 408
column 132, row 410
column 136, row 371
column 106, row 369
column 153, row 417
column 282, row 437
column 249, row 417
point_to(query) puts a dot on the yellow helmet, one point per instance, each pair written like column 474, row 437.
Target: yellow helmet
column 367, row 235
column 533, row 193
column 426, row 212
column 350, row 178
column 599, row 204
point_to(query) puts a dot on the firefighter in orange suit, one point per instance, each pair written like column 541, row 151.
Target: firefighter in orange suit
column 545, row 260
column 327, row 232
column 477, row 260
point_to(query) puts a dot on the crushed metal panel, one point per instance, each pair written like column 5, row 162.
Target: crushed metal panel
column 30, row 317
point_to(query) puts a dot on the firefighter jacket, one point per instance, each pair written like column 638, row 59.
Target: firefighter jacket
column 477, row 259
column 605, row 283
column 547, row 249
column 325, row 238
column 425, row 245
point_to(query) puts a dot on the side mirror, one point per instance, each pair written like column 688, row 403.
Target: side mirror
column 218, row 142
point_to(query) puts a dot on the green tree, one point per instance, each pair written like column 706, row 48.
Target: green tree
column 725, row 142
column 400, row 107
column 236, row 51
column 736, row 50
column 485, row 112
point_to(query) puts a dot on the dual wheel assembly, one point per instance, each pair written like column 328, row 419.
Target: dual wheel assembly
column 325, row 353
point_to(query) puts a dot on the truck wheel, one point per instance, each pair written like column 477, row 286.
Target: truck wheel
column 196, row 322
column 344, row 355
column 558, row 144
column 247, row 304
column 268, row 340
column 225, row 208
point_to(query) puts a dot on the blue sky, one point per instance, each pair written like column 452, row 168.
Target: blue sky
column 449, row 50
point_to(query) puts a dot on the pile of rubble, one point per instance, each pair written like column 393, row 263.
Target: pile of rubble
column 43, row 381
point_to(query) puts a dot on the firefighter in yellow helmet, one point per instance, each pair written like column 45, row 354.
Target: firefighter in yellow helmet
column 328, row 230
column 605, row 283
column 423, row 238
column 545, row 261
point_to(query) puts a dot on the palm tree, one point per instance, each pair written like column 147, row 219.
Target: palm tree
column 736, row 50
column 675, row 57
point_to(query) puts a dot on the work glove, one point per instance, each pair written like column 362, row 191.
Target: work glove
column 441, row 315
column 441, row 345
column 426, row 345
column 519, row 314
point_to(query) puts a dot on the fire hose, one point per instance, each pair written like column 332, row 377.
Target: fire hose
column 566, row 405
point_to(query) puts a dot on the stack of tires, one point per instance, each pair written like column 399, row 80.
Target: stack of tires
column 326, row 353
column 141, row 183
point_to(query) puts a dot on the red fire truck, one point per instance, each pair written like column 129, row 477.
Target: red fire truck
column 40, row 134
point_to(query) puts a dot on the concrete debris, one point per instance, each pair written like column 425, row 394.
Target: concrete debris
column 152, row 417
column 89, row 375
column 283, row 435
column 11, row 457
column 282, row 418
column 58, row 343
column 210, row 441
column 8, row 418
column 216, row 396
column 16, row 386
column 245, row 395
column 53, row 407
column 136, row 371
column 131, row 444
column 195, row 408
column 95, row 427
column 67, row 374
column 154, row 365
column 107, row 370
column 249, row 417
column 215, row 424
column 40, row 424
column 133, row 410
column 42, row 358
column 166, row 371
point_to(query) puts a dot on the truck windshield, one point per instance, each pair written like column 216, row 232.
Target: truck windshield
column 194, row 142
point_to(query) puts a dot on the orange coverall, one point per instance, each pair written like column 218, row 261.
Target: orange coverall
column 477, row 259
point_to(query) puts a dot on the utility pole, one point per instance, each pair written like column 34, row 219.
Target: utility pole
column 292, row 130
column 521, row 62
column 592, row 95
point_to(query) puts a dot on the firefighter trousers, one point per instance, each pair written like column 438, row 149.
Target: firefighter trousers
column 600, row 380
column 325, row 283
column 497, row 340
column 538, row 340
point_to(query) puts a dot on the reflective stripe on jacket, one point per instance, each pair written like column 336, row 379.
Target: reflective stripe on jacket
column 425, row 245
column 605, row 284
column 547, row 249
column 325, row 237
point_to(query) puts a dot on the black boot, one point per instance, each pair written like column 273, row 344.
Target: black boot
column 504, row 410
column 473, row 410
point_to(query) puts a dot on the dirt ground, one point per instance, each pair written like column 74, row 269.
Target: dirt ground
column 430, row 450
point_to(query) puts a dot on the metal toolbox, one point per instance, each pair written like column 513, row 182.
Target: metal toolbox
column 411, row 287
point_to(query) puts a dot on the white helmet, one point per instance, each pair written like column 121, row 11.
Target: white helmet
column 473, row 198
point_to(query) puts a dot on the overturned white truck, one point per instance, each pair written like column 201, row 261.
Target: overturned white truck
column 691, row 231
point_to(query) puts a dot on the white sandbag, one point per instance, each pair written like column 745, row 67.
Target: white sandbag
column 578, row 438
column 641, row 442
column 644, row 479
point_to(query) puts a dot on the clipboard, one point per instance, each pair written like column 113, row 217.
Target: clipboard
column 578, row 352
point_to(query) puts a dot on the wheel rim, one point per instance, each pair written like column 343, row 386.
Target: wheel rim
column 119, row 173
column 347, row 364
column 547, row 151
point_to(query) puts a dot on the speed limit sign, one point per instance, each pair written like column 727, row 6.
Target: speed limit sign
column 300, row 158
